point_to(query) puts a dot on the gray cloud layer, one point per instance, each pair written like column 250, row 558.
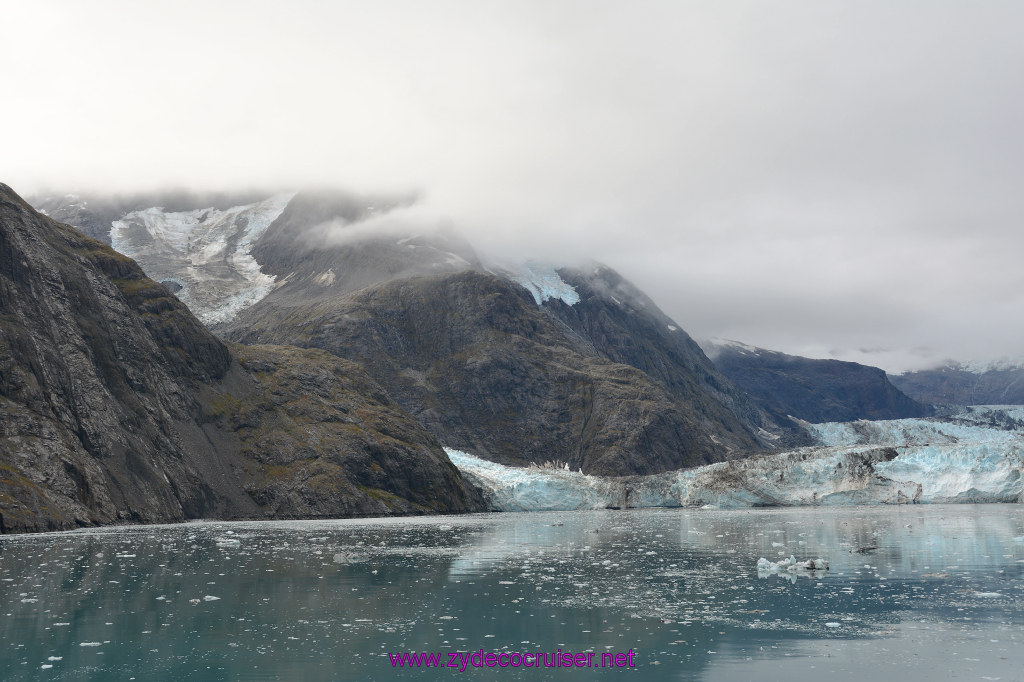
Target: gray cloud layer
column 816, row 177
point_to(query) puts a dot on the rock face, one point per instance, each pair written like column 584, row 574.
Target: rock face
column 317, row 437
column 116, row 404
column 957, row 384
column 480, row 366
column 513, row 366
column 512, row 363
column 624, row 325
column 813, row 390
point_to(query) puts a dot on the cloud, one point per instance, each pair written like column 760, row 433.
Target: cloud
column 803, row 175
column 399, row 222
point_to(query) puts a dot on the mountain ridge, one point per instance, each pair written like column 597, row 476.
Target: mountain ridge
column 810, row 389
column 996, row 383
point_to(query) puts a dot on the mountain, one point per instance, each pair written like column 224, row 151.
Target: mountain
column 514, row 362
column 998, row 383
column 812, row 390
column 94, row 214
column 118, row 405
column 484, row 368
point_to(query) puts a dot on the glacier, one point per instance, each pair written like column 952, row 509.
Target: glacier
column 973, row 456
column 205, row 251
column 543, row 282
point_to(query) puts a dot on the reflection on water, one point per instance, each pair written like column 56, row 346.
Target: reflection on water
column 912, row 592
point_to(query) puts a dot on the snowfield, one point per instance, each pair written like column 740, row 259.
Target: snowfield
column 974, row 456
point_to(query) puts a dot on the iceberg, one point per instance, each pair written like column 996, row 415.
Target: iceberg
column 790, row 565
column 974, row 456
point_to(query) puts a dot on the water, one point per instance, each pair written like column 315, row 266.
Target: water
column 942, row 596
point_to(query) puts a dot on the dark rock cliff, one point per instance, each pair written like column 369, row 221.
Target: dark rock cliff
column 624, row 325
column 482, row 367
column 608, row 383
column 116, row 404
column 814, row 390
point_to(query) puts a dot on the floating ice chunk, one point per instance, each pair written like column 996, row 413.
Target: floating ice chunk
column 988, row 595
column 228, row 542
column 349, row 558
column 791, row 565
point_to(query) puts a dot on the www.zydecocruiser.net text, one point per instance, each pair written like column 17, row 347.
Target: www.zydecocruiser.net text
column 462, row 660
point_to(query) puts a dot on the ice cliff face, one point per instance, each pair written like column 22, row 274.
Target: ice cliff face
column 976, row 456
column 205, row 252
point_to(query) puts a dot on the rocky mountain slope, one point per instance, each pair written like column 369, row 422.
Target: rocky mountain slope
column 515, row 363
column 116, row 404
column 1000, row 383
column 812, row 390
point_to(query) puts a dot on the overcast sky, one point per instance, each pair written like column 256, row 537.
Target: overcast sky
column 824, row 178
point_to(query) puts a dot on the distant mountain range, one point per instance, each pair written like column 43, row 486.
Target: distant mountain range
column 997, row 383
column 812, row 390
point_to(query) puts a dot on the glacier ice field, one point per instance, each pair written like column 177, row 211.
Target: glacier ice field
column 974, row 456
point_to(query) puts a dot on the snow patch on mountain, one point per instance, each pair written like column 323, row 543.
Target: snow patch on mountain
column 714, row 346
column 206, row 251
column 977, row 456
column 1004, row 364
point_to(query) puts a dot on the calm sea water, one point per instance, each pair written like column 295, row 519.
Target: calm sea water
column 942, row 596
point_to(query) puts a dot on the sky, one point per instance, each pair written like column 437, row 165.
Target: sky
column 832, row 179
